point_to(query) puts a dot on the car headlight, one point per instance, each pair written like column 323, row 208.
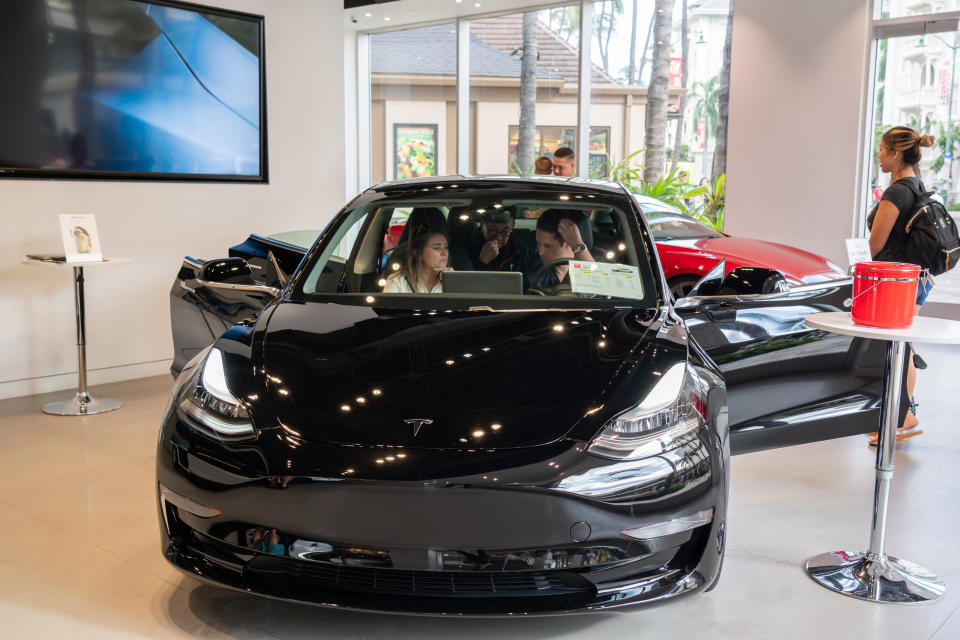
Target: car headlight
column 669, row 416
column 656, row 445
column 212, row 407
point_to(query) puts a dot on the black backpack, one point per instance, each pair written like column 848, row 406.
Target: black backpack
column 932, row 240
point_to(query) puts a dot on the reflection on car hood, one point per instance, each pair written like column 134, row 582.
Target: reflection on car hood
column 348, row 375
column 796, row 263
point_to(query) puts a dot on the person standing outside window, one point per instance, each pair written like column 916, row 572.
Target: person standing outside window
column 899, row 156
column 563, row 162
column 543, row 166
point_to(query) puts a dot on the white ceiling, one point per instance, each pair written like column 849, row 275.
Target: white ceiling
column 407, row 12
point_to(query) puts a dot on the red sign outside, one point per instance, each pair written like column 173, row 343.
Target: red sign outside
column 676, row 72
column 701, row 133
column 945, row 84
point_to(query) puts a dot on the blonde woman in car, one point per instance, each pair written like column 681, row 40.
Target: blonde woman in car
column 420, row 269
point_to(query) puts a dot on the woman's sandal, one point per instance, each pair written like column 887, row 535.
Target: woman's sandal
column 902, row 434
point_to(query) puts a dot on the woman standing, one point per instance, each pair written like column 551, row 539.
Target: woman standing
column 899, row 156
column 425, row 258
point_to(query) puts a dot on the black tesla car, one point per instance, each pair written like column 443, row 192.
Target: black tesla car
column 507, row 444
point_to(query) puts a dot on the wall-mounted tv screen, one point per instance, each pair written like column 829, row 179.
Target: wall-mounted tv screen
column 125, row 89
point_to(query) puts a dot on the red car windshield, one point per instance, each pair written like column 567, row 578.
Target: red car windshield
column 676, row 226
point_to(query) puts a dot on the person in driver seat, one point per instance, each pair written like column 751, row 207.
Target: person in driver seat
column 492, row 247
column 422, row 263
column 560, row 236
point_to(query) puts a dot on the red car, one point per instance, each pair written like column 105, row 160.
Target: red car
column 689, row 249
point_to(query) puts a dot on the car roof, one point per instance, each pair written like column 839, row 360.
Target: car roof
column 532, row 180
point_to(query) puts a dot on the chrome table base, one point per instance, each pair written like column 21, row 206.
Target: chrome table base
column 873, row 575
column 82, row 405
column 883, row 579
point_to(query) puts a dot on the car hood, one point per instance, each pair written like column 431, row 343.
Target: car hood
column 796, row 263
column 357, row 376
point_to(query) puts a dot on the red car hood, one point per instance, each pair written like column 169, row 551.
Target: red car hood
column 792, row 262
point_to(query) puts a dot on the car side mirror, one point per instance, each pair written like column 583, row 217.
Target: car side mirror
column 710, row 283
column 226, row 271
column 754, row 281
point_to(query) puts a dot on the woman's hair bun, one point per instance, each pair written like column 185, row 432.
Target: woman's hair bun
column 927, row 141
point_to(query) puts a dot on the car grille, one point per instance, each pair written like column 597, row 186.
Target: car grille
column 402, row 582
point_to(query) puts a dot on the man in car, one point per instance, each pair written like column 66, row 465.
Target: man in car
column 493, row 247
column 560, row 237
column 563, row 162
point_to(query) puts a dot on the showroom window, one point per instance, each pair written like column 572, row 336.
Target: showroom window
column 547, row 139
column 915, row 81
column 413, row 124
column 425, row 81
column 903, row 8
column 498, row 104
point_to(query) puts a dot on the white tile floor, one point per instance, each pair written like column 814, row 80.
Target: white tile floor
column 79, row 553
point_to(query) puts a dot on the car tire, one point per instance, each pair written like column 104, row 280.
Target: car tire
column 681, row 285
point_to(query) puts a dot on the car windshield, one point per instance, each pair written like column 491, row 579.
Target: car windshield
column 463, row 246
column 669, row 224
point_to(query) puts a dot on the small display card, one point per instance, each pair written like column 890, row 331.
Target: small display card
column 605, row 279
column 858, row 250
column 81, row 243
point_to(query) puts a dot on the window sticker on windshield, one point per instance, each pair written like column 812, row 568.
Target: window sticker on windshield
column 605, row 279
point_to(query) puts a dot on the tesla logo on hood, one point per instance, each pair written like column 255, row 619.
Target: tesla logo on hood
column 417, row 423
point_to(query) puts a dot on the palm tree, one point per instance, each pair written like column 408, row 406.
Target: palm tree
column 604, row 24
column 723, row 108
column 658, row 94
column 564, row 21
column 705, row 100
column 633, row 44
column 528, row 93
column 682, row 106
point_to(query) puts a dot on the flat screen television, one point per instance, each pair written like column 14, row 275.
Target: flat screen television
column 121, row 89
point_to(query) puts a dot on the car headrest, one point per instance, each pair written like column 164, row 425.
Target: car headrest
column 422, row 218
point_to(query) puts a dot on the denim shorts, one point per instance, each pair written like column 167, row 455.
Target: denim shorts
column 923, row 289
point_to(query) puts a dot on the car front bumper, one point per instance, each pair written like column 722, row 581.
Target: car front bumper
column 421, row 547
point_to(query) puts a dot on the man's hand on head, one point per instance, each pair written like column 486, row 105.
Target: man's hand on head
column 570, row 232
column 490, row 251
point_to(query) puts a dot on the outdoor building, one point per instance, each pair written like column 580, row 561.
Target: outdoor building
column 413, row 100
column 706, row 33
column 915, row 83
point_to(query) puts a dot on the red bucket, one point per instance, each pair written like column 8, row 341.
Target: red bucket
column 884, row 294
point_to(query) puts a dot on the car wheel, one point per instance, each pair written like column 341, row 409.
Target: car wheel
column 680, row 286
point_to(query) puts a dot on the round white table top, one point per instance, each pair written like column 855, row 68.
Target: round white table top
column 924, row 329
column 64, row 263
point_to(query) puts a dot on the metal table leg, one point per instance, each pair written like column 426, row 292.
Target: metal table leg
column 83, row 403
column 873, row 575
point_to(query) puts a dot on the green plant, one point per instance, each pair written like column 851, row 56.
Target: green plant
column 674, row 189
column 714, row 201
column 941, row 145
column 683, row 156
column 629, row 170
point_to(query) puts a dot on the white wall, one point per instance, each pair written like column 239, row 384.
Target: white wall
column 156, row 224
column 795, row 106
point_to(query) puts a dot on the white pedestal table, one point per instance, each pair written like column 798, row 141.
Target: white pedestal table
column 82, row 403
column 872, row 574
